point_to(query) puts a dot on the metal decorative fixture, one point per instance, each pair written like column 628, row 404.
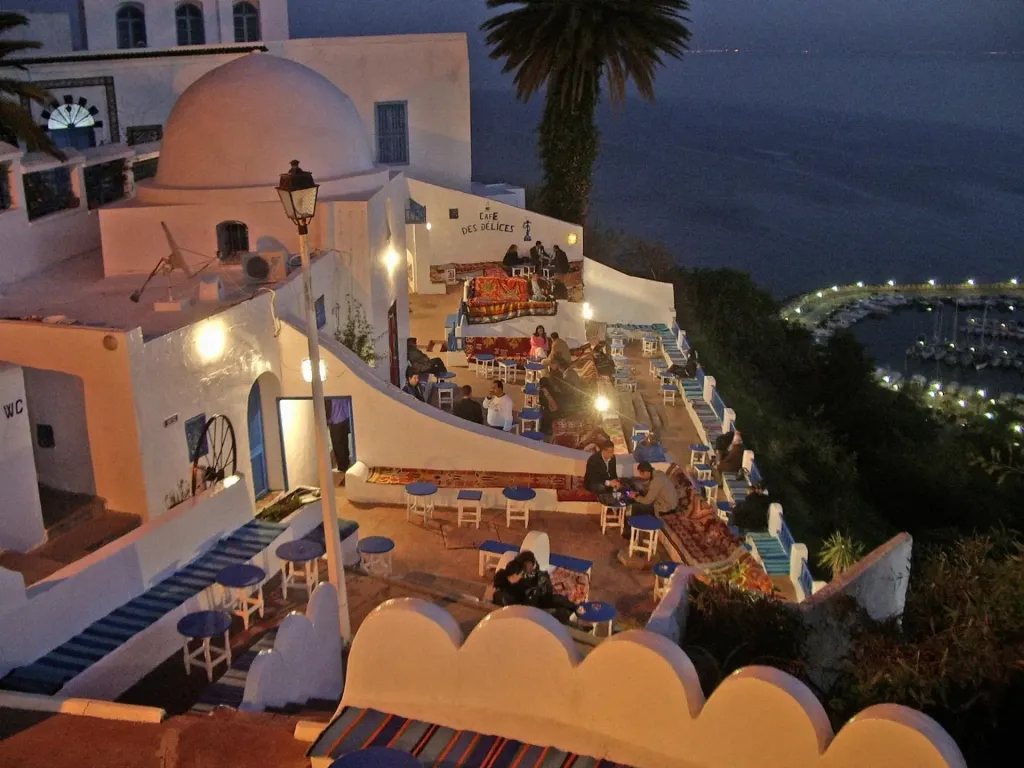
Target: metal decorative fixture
column 298, row 193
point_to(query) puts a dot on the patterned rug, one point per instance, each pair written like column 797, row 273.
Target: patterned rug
column 487, row 290
column 503, row 347
column 464, row 478
column 497, row 312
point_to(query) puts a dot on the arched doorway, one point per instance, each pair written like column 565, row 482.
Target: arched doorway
column 232, row 240
column 257, row 442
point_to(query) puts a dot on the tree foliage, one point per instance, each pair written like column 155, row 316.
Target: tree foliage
column 15, row 120
column 569, row 48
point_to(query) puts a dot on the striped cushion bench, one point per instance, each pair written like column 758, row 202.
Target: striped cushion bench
column 491, row 552
column 356, row 728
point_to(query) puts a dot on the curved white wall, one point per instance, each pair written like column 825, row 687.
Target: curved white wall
column 617, row 297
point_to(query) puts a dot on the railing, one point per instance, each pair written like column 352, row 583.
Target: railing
column 786, row 538
column 806, row 580
column 754, row 476
column 718, row 405
column 700, row 377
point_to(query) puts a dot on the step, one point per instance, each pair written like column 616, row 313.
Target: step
column 770, row 550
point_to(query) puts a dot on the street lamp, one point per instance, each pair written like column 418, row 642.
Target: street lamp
column 298, row 192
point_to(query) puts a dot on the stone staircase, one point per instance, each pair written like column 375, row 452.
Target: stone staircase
column 770, row 550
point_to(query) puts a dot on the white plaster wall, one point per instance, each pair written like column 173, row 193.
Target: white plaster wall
column 298, row 430
column 101, row 28
column 58, row 399
column 109, row 398
column 21, row 517
column 53, row 30
column 476, row 235
column 68, row 601
column 616, row 297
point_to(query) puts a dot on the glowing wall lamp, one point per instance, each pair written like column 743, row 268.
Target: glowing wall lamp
column 307, row 371
column 588, row 311
column 572, row 238
column 230, row 480
column 391, row 258
column 298, row 192
column 601, row 404
column 210, row 341
column 429, row 226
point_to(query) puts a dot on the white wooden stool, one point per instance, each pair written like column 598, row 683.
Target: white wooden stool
column 524, row 270
column 613, row 517
column 531, row 396
column 445, row 395
column 508, row 371
column 702, row 471
column 533, row 373
column 650, row 347
column 419, row 500
column 529, row 420
column 517, row 505
column 470, row 505
column 668, row 394
column 203, row 626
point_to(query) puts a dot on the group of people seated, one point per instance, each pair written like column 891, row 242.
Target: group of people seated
column 538, row 258
column 523, row 582
column 650, row 492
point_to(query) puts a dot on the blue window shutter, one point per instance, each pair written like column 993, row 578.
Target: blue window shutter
column 392, row 133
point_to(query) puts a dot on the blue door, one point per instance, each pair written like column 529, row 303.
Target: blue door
column 257, row 450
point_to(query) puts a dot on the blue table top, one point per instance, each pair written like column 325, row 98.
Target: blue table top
column 666, row 568
column 202, row 624
column 519, row 493
column 377, row 757
column 707, row 483
column 725, row 506
column 595, row 611
column 300, row 551
column 529, row 413
column 646, row 522
column 421, row 489
column 375, row 545
column 508, row 362
column 467, row 495
column 699, row 448
column 531, row 389
column 241, row 575
column 446, row 375
column 533, row 435
column 533, row 366
column 668, row 387
column 484, row 356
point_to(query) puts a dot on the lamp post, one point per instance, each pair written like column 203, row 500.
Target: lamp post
column 298, row 192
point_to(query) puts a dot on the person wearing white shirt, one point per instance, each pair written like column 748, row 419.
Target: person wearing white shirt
column 499, row 408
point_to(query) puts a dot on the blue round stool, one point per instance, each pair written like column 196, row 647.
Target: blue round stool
column 204, row 626
column 377, row 757
column 534, row 435
column 299, row 564
column 375, row 554
column 662, row 576
column 517, row 505
column 485, row 364
column 419, row 500
column 595, row 613
column 529, row 420
column 244, row 583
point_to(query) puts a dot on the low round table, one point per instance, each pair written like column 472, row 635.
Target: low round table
column 529, row 420
column 299, row 564
column 419, row 500
column 377, row 757
column 596, row 613
column 204, row 626
column 710, row 490
column 643, row 535
column 485, row 364
column 244, row 583
column 375, row 554
column 533, row 372
column 517, row 504
column 699, row 454
column 662, row 575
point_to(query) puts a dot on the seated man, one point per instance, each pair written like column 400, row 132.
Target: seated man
column 559, row 351
column 522, row 582
column 420, row 363
column 467, row 408
column 603, row 361
column 660, row 497
column 601, row 477
column 751, row 514
column 413, row 386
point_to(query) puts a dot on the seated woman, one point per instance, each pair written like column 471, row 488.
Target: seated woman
column 511, row 259
column 539, row 344
column 522, row 582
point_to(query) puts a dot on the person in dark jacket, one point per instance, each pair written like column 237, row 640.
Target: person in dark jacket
column 560, row 262
column 413, row 386
column 467, row 408
column 512, row 259
column 601, row 476
column 522, row 582
column 751, row 514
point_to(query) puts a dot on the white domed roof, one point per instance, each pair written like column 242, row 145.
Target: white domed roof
column 242, row 124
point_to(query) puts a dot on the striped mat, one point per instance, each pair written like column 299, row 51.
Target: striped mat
column 50, row 673
column 435, row 745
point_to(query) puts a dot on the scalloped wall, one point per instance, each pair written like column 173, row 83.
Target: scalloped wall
column 634, row 699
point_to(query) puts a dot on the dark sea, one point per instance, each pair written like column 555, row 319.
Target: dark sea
column 806, row 170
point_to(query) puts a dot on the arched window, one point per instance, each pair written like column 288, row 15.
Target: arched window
column 232, row 240
column 189, row 19
column 247, row 23
column 131, row 27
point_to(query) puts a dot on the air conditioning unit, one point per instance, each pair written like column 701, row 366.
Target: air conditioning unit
column 265, row 266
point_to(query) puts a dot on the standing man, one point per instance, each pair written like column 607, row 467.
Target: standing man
column 467, row 408
column 499, row 408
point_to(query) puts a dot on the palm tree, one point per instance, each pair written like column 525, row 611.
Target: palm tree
column 15, row 119
column 570, row 46
column 839, row 552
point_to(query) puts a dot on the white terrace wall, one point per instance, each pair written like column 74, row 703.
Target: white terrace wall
column 394, row 430
column 68, row 601
column 616, row 297
column 21, row 516
column 100, row 359
column 635, row 699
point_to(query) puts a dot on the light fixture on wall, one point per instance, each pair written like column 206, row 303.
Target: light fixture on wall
column 307, row 371
column 231, row 480
column 391, row 258
column 588, row 311
column 210, row 341
column 601, row 404
column 428, row 226
column 572, row 238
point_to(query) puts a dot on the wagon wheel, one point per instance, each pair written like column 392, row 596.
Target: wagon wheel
column 213, row 457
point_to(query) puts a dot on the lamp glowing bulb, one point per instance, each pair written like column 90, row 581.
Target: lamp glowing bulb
column 931, row 282
column 970, row 281
column 307, row 371
column 230, row 480
column 989, row 415
column 1013, row 281
column 588, row 311
column 572, row 238
column 860, row 283
column 1018, row 428
column 601, row 403
column 391, row 258
column 890, row 283
column 429, row 226
column 210, row 342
